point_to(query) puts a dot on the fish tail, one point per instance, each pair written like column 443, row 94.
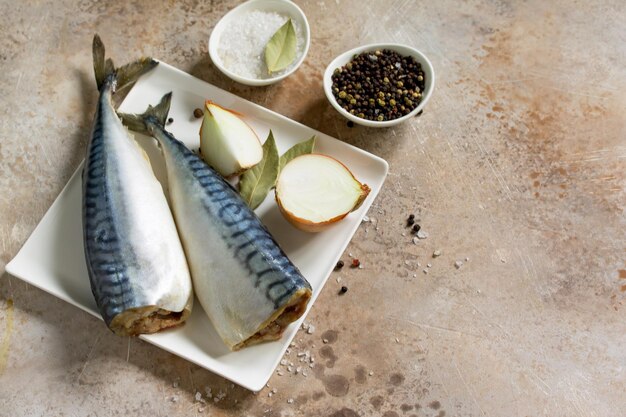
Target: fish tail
column 156, row 114
column 120, row 77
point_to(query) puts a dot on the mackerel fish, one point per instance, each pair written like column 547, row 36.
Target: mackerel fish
column 135, row 261
column 246, row 284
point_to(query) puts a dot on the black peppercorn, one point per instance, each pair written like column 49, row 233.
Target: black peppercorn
column 343, row 290
column 339, row 264
column 380, row 85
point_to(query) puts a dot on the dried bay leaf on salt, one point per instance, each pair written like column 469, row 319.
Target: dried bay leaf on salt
column 280, row 51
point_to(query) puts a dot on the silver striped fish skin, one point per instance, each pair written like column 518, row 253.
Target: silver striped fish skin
column 135, row 261
column 246, row 284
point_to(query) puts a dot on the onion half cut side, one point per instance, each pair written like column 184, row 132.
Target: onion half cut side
column 314, row 191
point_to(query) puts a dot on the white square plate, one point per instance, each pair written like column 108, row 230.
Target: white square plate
column 53, row 259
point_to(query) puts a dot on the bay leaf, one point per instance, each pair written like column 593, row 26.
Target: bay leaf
column 280, row 51
column 296, row 150
column 256, row 182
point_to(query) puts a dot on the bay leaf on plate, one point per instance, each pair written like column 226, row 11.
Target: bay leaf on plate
column 256, row 182
column 296, row 150
column 280, row 51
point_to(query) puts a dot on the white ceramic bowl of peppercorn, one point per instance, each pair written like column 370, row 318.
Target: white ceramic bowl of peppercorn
column 379, row 85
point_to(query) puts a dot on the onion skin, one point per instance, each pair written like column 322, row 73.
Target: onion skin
column 365, row 191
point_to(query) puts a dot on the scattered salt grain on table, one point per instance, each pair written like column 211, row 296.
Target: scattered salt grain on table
column 242, row 44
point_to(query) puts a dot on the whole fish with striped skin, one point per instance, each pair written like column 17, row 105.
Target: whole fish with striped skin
column 244, row 281
column 136, row 264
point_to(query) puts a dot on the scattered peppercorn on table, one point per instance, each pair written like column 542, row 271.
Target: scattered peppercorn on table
column 488, row 278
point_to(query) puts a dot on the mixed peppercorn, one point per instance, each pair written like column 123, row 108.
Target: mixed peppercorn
column 380, row 85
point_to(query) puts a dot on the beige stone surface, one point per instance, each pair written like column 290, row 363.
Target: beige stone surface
column 518, row 163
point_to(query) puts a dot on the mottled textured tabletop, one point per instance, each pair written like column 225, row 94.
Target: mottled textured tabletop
column 517, row 164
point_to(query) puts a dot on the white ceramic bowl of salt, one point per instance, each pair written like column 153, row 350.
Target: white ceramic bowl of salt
column 237, row 43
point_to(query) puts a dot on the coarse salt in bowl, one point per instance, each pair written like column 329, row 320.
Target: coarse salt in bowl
column 404, row 50
column 237, row 43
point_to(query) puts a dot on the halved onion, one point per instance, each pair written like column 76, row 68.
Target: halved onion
column 314, row 191
column 227, row 143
